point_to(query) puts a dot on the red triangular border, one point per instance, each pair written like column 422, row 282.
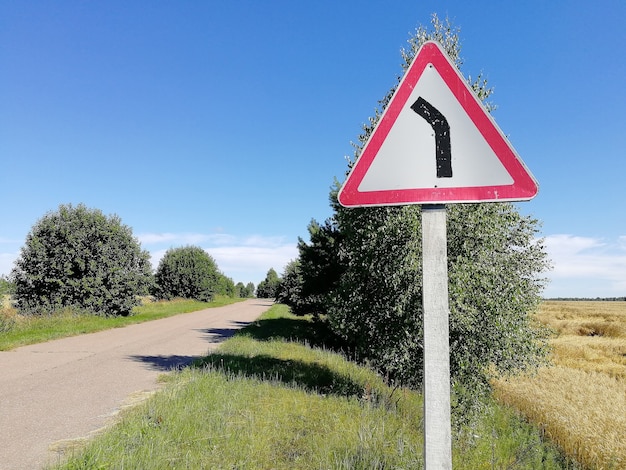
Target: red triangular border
column 524, row 186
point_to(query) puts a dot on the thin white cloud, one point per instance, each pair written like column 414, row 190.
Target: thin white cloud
column 589, row 267
column 259, row 240
column 245, row 259
column 569, row 244
column 180, row 239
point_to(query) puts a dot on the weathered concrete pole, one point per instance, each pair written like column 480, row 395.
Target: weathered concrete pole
column 437, row 423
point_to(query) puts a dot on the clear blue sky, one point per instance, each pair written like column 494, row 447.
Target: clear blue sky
column 223, row 124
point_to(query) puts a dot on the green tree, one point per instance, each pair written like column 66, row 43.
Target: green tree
column 320, row 266
column 495, row 265
column 240, row 290
column 314, row 275
column 77, row 257
column 244, row 291
column 225, row 286
column 268, row 287
column 289, row 289
column 188, row 272
column 249, row 289
column 377, row 304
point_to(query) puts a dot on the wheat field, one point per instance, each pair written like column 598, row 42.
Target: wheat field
column 580, row 400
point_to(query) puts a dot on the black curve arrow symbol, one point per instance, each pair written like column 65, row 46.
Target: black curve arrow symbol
column 439, row 123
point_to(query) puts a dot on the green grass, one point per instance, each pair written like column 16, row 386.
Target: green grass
column 266, row 400
column 16, row 330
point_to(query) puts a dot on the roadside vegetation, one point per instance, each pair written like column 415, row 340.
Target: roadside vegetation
column 79, row 259
column 278, row 395
column 188, row 272
column 20, row 330
column 82, row 271
column 268, row 287
column 580, row 401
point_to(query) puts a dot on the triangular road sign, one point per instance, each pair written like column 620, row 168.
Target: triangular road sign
column 435, row 143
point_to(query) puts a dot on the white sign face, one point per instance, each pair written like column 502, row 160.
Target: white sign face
column 436, row 143
column 406, row 159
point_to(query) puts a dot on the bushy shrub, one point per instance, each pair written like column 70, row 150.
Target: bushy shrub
column 249, row 291
column 244, row 291
column 320, row 267
column 268, row 287
column 289, row 289
column 225, row 286
column 188, row 272
column 80, row 258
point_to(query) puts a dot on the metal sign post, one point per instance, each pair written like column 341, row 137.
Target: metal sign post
column 437, row 422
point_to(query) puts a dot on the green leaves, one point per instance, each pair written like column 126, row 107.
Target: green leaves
column 77, row 257
column 308, row 281
column 268, row 287
column 494, row 270
column 377, row 305
column 190, row 273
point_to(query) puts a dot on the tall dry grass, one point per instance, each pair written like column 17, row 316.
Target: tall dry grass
column 590, row 336
column 580, row 401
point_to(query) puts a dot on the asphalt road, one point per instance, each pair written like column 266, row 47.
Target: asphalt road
column 56, row 393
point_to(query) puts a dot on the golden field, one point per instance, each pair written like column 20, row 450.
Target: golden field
column 580, row 400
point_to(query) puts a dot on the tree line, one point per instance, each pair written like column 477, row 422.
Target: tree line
column 79, row 258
